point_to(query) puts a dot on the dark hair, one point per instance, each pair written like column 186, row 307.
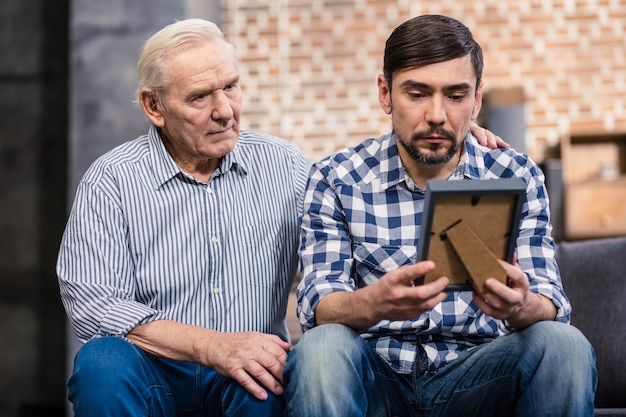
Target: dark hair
column 430, row 39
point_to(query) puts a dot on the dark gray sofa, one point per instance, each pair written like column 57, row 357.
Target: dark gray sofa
column 594, row 278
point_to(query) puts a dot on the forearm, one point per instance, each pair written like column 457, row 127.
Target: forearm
column 172, row 340
column 392, row 297
column 255, row 360
column 536, row 253
column 354, row 309
column 539, row 308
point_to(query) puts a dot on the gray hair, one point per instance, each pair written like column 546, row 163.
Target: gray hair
column 176, row 37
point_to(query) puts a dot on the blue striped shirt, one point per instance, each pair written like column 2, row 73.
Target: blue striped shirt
column 145, row 241
column 362, row 217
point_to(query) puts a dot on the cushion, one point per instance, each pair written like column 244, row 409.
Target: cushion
column 594, row 277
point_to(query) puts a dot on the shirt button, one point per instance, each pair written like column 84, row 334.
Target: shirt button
column 216, row 290
column 209, row 190
column 214, row 239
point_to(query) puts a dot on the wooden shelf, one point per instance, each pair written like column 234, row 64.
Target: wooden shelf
column 594, row 181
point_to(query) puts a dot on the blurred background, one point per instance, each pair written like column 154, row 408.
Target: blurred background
column 555, row 83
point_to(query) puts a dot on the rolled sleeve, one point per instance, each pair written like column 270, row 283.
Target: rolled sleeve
column 324, row 250
column 95, row 271
column 536, row 248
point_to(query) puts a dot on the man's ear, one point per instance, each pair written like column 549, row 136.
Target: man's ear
column 384, row 94
column 478, row 101
column 152, row 107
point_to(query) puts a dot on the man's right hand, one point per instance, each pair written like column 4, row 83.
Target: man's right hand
column 393, row 297
column 255, row 360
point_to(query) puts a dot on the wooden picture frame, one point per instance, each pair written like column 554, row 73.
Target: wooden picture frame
column 466, row 226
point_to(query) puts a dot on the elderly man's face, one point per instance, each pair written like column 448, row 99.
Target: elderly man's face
column 199, row 118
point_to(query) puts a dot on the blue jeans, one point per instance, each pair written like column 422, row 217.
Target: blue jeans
column 547, row 369
column 112, row 377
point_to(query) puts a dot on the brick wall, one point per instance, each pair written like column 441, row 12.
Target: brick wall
column 309, row 67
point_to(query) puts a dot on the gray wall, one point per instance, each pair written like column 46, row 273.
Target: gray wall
column 504, row 114
column 33, row 142
column 67, row 81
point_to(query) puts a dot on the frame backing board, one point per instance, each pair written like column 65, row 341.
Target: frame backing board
column 491, row 209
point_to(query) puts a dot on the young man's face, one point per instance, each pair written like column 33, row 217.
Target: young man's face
column 431, row 108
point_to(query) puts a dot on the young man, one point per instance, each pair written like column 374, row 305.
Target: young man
column 375, row 344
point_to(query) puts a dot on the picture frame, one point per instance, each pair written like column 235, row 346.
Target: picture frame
column 466, row 226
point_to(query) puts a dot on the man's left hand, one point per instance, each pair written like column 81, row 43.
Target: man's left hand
column 514, row 302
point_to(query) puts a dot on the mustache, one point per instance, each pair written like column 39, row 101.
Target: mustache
column 437, row 130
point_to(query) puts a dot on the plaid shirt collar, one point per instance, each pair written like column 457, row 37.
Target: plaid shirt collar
column 392, row 172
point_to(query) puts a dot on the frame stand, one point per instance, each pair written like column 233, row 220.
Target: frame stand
column 476, row 257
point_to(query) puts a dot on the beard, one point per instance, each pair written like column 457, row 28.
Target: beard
column 434, row 157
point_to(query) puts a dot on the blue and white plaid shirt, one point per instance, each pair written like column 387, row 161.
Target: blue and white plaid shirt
column 362, row 218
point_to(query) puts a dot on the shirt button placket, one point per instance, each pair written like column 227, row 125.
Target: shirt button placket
column 213, row 282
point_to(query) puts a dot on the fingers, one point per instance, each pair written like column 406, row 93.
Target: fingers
column 496, row 303
column 274, row 362
column 497, row 142
column 483, row 304
column 263, row 373
column 408, row 274
column 503, row 301
column 502, row 143
column 246, row 381
column 397, row 298
column 256, row 361
column 487, row 138
column 492, row 141
column 432, row 293
column 517, row 277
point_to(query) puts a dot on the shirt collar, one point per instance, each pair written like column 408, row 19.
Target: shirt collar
column 235, row 160
column 165, row 168
column 472, row 161
column 392, row 172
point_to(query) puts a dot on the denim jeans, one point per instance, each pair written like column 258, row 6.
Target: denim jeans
column 112, row 377
column 547, row 369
